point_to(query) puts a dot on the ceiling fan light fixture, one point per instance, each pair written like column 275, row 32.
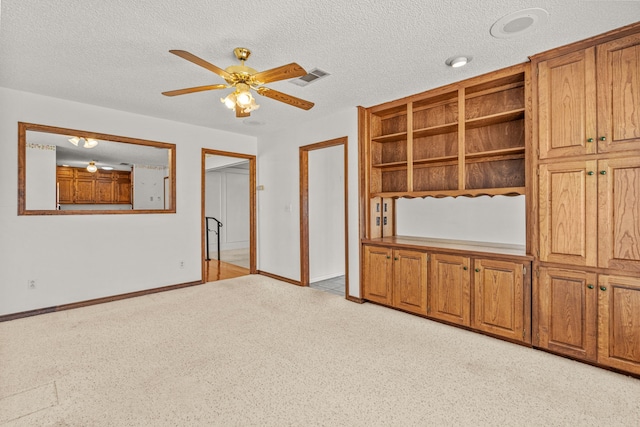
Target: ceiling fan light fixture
column 92, row 167
column 229, row 101
column 74, row 140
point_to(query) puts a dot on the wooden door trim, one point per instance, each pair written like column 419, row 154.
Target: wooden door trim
column 252, row 206
column 304, row 207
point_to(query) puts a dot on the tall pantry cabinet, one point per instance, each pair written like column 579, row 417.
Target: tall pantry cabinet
column 587, row 282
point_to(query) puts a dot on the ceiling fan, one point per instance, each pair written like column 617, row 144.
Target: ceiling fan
column 243, row 79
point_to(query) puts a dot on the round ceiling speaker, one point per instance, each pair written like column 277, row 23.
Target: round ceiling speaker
column 520, row 22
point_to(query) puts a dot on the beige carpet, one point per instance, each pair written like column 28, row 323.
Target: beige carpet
column 255, row 351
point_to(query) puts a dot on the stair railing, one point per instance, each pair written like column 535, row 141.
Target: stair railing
column 217, row 231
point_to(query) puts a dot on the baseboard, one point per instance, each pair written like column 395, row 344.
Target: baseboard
column 38, row 311
column 355, row 299
column 282, row 279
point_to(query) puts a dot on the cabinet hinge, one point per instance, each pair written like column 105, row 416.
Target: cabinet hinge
column 428, row 257
column 537, row 272
column 524, row 270
column 524, row 333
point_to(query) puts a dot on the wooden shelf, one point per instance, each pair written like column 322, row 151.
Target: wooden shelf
column 391, row 165
column 503, row 154
column 394, row 137
column 493, row 119
column 435, row 130
column 437, row 161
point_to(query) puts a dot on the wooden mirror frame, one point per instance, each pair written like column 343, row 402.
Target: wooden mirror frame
column 22, row 172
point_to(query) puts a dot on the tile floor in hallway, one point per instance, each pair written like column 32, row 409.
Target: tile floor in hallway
column 335, row 285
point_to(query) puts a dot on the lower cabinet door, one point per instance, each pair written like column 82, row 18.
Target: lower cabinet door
column 619, row 322
column 449, row 289
column 410, row 280
column 566, row 311
column 499, row 299
column 377, row 274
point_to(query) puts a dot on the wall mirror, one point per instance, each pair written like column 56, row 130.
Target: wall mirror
column 67, row 172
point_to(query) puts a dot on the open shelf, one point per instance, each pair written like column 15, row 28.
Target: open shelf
column 495, row 154
column 391, row 165
column 436, row 161
column 435, row 130
column 400, row 136
column 506, row 116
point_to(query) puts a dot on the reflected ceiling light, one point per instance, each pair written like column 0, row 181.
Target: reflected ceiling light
column 92, row 167
column 107, row 168
column 88, row 142
column 458, row 61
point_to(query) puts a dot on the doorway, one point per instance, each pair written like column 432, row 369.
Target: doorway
column 327, row 196
column 228, row 215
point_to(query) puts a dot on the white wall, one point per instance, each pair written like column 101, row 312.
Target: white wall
column 227, row 200
column 81, row 257
column 278, row 171
column 326, row 213
column 148, row 186
column 498, row 219
column 41, row 158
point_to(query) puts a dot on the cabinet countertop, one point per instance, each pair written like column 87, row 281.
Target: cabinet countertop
column 461, row 246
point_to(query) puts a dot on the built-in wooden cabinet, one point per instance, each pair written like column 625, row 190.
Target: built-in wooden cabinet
column 500, row 303
column 450, row 288
column 494, row 298
column 79, row 186
column 591, row 317
column 586, row 290
column 468, row 138
column 396, row 277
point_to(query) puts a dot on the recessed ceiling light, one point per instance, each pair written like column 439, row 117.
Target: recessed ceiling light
column 520, row 22
column 458, row 61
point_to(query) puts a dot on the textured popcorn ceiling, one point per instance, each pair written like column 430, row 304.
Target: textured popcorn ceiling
column 114, row 53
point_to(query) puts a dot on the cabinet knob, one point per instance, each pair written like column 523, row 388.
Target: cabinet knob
column 603, row 288
column 395, row 258
column 603, row 172
column 590, row 286
column 477, row 270
column 590, row 173
column 464, row 267
column 388, row 257
column 602, row 138
column 590, row 140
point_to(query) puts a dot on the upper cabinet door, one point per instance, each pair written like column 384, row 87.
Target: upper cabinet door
column 619, row 94
column 619, row 214
column 567, row 105
column 568, row 210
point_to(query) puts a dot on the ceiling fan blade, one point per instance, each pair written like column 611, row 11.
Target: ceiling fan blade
column 201, row 62
column 193, row 89
column 283, row 97
column 240, row 113
column 284, row 72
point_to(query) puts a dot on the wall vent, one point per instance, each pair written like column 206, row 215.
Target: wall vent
column 313, row 76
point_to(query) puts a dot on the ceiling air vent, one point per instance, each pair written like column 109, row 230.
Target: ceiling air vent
column 313, row 75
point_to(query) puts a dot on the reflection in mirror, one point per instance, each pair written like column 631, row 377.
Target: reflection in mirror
column 66, row 171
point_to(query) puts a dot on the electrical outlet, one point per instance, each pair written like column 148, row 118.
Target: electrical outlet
column 181, row 264
column 31, row 284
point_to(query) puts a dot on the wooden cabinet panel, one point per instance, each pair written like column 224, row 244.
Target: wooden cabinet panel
column 567, row 104
column 449, row 289
column 619, row 214
column 499, row 298
column 123, row 189
column 566, row 304
column 410, row 281
column 85, row 190
column 377, row 274
column 568, row 212
column 619, row 322
column 105, row 191
column 66, row 188
column 619, row 94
